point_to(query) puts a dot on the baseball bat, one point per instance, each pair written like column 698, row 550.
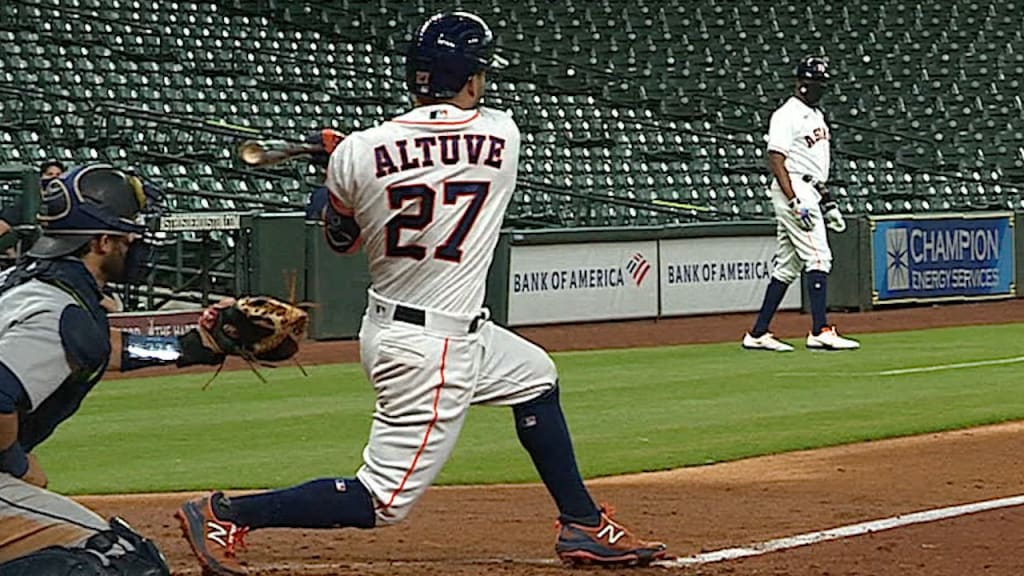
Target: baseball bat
column 265, row 153
column 683, row 205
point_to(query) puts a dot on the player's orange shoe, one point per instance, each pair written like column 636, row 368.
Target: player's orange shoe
column 212, row 540
column 608, row 543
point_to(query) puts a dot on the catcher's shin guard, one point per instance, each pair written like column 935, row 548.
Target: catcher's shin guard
column 56, row 561
column 119, row 551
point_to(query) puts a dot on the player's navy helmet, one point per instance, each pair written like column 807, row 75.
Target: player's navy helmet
column 446, row 51
column 813, row 68
column 84, row 202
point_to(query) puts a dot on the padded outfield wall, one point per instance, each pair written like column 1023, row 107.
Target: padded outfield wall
column 606, row 274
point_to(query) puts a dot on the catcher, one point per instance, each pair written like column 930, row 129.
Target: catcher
column 55, row 346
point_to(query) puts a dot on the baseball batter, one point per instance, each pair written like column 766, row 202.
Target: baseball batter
column 425, row 194
column 55, row 346
column 798, row 156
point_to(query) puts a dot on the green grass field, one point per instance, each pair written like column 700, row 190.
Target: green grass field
column 629, row 411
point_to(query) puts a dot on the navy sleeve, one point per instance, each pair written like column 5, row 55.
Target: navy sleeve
column 12, row 393
column 85, row 344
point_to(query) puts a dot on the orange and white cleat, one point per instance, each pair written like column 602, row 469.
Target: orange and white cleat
column 212, row 540
column 608, row 544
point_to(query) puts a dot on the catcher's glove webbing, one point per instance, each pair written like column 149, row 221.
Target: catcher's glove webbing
column 258, row 329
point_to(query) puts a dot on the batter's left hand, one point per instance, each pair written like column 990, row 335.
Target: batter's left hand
column 328, row 138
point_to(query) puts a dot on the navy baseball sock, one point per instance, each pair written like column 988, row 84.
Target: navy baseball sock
column 817, row 284
column 542, row 430
column 323, row 503
column 772, row 298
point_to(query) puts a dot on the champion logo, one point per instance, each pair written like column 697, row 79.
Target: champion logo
column 897, row 259
column 638, row 266
column 611, row 533
column 217, row 533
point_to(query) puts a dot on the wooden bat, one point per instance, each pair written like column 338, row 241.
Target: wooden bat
column 683, row 205
column 264, row 153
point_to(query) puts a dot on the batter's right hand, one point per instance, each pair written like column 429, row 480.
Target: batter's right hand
column 802, row 213
column 35, row 475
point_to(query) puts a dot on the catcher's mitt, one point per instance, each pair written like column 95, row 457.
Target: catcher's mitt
column 256, row 328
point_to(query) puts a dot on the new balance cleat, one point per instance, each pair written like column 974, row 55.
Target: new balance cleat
column 212, row 540
column 609, row 543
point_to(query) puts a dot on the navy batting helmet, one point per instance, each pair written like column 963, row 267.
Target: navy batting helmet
column 86, row 201
column 813, row 68
column 446, row 51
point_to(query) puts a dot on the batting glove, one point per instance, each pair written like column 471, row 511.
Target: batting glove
column 802, row 213
column 833, row 217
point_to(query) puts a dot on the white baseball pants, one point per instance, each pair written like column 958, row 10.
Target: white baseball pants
column 425, row 378
column 799, row 249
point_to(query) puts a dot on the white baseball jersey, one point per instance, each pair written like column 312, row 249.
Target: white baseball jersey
column 429, row 190
column 799, row 132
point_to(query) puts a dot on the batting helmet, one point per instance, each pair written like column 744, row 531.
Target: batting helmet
column 813, row 68
column 84, row 202
column 446, row 51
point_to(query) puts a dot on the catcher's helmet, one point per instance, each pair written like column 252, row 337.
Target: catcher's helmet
column 446, row 51
column 86, row 201
column 813, row 68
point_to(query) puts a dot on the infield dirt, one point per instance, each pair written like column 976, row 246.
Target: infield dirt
column 506, row 530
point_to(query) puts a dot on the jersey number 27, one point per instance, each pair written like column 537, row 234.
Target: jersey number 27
column 451, row 250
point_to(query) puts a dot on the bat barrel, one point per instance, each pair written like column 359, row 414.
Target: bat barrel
column 270, row 152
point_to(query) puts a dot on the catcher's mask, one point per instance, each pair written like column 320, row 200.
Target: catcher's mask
column 89, row 201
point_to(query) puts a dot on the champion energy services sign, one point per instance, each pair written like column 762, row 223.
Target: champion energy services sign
column 583, row 282
column 957, row 256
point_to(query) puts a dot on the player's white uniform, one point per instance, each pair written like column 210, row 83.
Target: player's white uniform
column 799, row 132
column 429, row 191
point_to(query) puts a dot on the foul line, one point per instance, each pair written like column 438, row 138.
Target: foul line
column 941, row 367
column 757, row 549
column 841, row 532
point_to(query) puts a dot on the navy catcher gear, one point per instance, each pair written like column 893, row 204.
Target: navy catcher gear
column 119, row 551
column 86, row 201
column 813, row 68
column 446, row 51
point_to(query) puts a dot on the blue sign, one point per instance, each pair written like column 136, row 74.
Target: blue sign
column 945, row 257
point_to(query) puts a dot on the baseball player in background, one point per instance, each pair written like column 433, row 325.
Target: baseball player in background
column 798, row 156
column 425, row 195
column 55, row 346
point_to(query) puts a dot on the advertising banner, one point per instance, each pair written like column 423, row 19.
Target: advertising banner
column 583, row 282
column 171, row 323
column 723, row 274
column 955, row 256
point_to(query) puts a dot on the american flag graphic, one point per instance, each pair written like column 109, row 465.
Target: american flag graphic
column 638, row 267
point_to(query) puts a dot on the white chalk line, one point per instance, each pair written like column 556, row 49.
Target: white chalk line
column 920, row 369
column 841, row 532
column 722, row 555
column 941, row 367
